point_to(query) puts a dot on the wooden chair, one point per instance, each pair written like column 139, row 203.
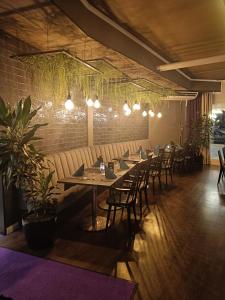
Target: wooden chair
column 155, row 171
column 125, row 197
column 222, row 168
column 144, row 187
column 167, row 164
column 179, row 161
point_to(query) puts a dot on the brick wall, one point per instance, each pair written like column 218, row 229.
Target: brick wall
column 171, row 127
column 110, row 129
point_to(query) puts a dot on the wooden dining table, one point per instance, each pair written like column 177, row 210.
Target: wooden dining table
column 135, row 158
column 93, row 177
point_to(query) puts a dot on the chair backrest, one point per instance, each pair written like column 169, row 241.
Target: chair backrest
column 220, row 159
column 139, row 173
column 156, row 164
column 145, row 169
column 166, row 158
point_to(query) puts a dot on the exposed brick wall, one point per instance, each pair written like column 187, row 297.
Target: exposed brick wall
column 64, row 131
column 108, row 129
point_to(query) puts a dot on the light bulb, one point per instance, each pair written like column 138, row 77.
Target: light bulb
column 144, row 114
column 69, row 105
column 115, row 116
column 127, row 112
column 151, row 113
column 89, row 102
column 159, row 115
column 110, row 109
column 97, row 104
column 126, row 106
column 136, row 106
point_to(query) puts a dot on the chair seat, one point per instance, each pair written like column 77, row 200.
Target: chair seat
column 154, row 173
column 178, row 159
column 119, row 202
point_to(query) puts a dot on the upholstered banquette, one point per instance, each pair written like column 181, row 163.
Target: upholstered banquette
column 65, row 163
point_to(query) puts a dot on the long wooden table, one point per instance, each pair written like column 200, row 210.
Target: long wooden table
column 135, row 158
column 93, row 177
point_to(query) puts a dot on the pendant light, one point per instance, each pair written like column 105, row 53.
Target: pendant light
column 144, row 114
column 126, row 106
column 69, row 105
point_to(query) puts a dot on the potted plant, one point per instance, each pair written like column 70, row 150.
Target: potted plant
column 39, row 221
column 21, row 164
column 199, row 139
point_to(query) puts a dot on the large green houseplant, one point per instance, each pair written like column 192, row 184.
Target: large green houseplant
column 199, row 138
column 21, row 164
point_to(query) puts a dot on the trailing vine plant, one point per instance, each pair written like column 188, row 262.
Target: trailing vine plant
column 54, row 76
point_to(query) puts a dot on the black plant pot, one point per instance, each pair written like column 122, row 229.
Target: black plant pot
column 39, row 232
column 198, row 161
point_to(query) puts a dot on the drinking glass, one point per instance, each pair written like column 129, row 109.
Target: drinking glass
column 102, row 168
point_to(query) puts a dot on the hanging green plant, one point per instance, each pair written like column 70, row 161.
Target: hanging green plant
column 54, row 75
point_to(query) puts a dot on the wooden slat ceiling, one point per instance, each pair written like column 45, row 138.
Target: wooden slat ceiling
column 47, row 28
column 180, row 30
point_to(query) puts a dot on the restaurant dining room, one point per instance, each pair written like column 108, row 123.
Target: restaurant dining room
column 112, row 149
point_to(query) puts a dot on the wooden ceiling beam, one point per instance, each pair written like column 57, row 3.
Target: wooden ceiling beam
column 101, row 28
column 192, row 63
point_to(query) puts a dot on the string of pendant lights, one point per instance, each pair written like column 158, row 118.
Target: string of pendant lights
column 69, row 105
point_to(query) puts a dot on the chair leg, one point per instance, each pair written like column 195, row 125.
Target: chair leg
column 129, row 219
column 121, row 217
column 146, row 197
column 160, row 185
column 140, row 203
column 114, row 214
column 134, row 212
column 153, row 185
column 108, row 216
column 171, row 175
column 166, row 176
column 220, row 174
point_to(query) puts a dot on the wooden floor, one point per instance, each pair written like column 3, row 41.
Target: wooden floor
column 178, row 252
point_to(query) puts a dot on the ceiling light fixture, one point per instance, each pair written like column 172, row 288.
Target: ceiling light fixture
column 159, row 115
column 151, row 113
column 136, row 106
column 97, row 104
column 89, row 102
column 144, row 114
column 126, row 106
column 69, row 105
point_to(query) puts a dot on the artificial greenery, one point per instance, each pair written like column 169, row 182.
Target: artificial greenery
column 53, row 76
column 21, row 164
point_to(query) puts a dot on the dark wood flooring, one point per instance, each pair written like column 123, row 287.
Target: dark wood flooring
column 178, row 251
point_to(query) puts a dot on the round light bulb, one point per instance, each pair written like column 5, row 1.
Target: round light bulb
column 144, row 114
column 126, row 106
column 159, row 115
column 136, row 106
column 115, row 116
column 110, row 109
column 69, row 105
column 97, row 104
column 151, row 113
column 89, row 102
column 127, row 112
